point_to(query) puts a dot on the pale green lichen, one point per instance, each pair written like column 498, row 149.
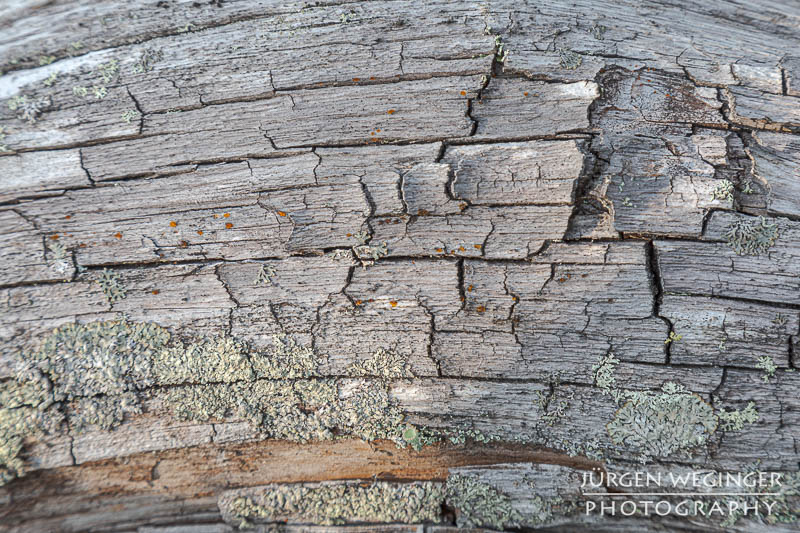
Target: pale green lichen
column 673, row 337
column 79, row 91
column 752, row 237
column 657, row 424
column 501, row 52
column 479, row 504
column 146, row 60
column 104, row 412
column 661, row 424
column 99, row 91
column 383, row 364
column 46, row 60
column 213, row 360
column 286, row 360
column 129, row 114
column 766, row 364
column 723, row 191
column 24, row 413
column 111, row 284
column 369, row 253
column 3, row 147
column 299, row 410
column 51, row 79
column 108, row 71
column 28, row 109
column 568, row 59
column 340, row 503
column 555, row 403
column 734, row 420
column 57, row 257
column 265, row 275
column 99, row 358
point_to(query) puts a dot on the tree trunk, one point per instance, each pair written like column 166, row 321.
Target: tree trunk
column 396, row 266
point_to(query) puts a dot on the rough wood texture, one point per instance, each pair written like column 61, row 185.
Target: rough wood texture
column 451, row 254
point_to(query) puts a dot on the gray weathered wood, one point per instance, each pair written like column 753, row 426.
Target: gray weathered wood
column 506, row 227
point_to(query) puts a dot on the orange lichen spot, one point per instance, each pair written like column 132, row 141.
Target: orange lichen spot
column 184, row 244
column 68, row 217
column 439, row 250
column 462, row 249
column 422, row 212
column 356, row 79
column 480, row 308
column 390, row 112
column 525, row 93
column 462, row 206
column 478, row 246
column 155, row 291
column 463, row 93
column 358, row 302
column 514, row 298
column 118, row 235
column 584, row 275
column 199, row 232
column 378, row 130
column 216, row 216
column 54, row 237
column 469, row 289
column 172, row 223
column 372, row 77
column 463, row 299
column 82, row 245
column 349, row 234
column 372, row 133
column 226, row 215
column 281, row 214
column 393, row 303
column 228, row 225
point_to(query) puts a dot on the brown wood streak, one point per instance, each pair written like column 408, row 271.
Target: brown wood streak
column 201, row 472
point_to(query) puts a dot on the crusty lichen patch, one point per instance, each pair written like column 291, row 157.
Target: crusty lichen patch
column 23, row 413
column 478, row 504
column 99, row 370
column 338, row 503
column 383, row 364
column 297, row 410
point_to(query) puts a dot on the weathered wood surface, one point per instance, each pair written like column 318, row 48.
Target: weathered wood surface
column 497, row 233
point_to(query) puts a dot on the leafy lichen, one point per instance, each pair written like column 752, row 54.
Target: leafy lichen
column 108, row 71
column 752, row 237
column 734, row 420
column 661, row 424
column 28, row 109
column 568, row 59
column 129, row 114
column 723, row 191
column 265, row 274
column 111, row 285
column 766, row 364
column 658, row 424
